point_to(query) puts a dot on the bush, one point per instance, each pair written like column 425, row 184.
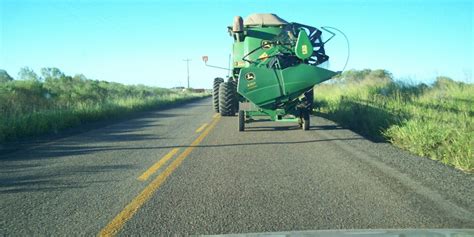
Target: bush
column 48, row 104
column 433, row 121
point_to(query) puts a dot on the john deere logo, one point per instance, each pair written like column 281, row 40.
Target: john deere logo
column 249, row 76
column 266, row 44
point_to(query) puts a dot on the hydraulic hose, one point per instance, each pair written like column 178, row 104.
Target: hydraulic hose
column 347, row 41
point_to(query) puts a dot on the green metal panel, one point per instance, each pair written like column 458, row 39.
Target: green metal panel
column 267, row 87
column 238, row 53
column 303, row 48
column 302, row 77
column 259, row 85
column 273, row 115
column 255, row 37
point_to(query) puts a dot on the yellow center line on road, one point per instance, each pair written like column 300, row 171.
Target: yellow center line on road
column 215, row 115
column 201, row 128
column 114, row 226
column 157, row 165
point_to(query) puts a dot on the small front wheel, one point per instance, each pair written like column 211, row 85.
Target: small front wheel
column 306, row 121
column 241, row 120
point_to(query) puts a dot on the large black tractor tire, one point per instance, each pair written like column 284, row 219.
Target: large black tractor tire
column 227, row 97
column 215, row 93
column 305, row 119
column 241, row 120
column 236, row 98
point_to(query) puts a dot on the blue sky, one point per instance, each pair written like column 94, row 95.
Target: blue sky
column 145, row 42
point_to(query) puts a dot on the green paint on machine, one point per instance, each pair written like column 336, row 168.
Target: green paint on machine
column 303, row 48
column 275, row 67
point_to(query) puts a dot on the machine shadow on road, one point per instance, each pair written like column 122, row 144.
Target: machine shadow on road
column 277, row 142
column 113, row 129
column 59, row 180
column 21, row 170
column 82, row 150
column 90, row 150
column 358, row 119
column 126, row 131
column 290, row 128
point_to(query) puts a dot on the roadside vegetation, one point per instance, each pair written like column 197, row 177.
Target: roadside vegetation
column 52, row 101
column 435, row 121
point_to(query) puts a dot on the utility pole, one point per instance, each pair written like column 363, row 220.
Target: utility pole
column 187, row 66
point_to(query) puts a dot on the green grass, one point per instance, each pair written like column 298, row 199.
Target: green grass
column 30, row 108
column 431, row 121
column 17, row 126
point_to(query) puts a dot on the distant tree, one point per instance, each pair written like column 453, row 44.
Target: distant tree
column 51, row 73
column 80, row 77
column 4, row 77
column 378, row 75
column 58, row 84
column 27, row 74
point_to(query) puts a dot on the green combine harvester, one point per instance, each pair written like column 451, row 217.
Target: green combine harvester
column 274, row 70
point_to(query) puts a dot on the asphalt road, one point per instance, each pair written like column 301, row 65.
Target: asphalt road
column 167, row 173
